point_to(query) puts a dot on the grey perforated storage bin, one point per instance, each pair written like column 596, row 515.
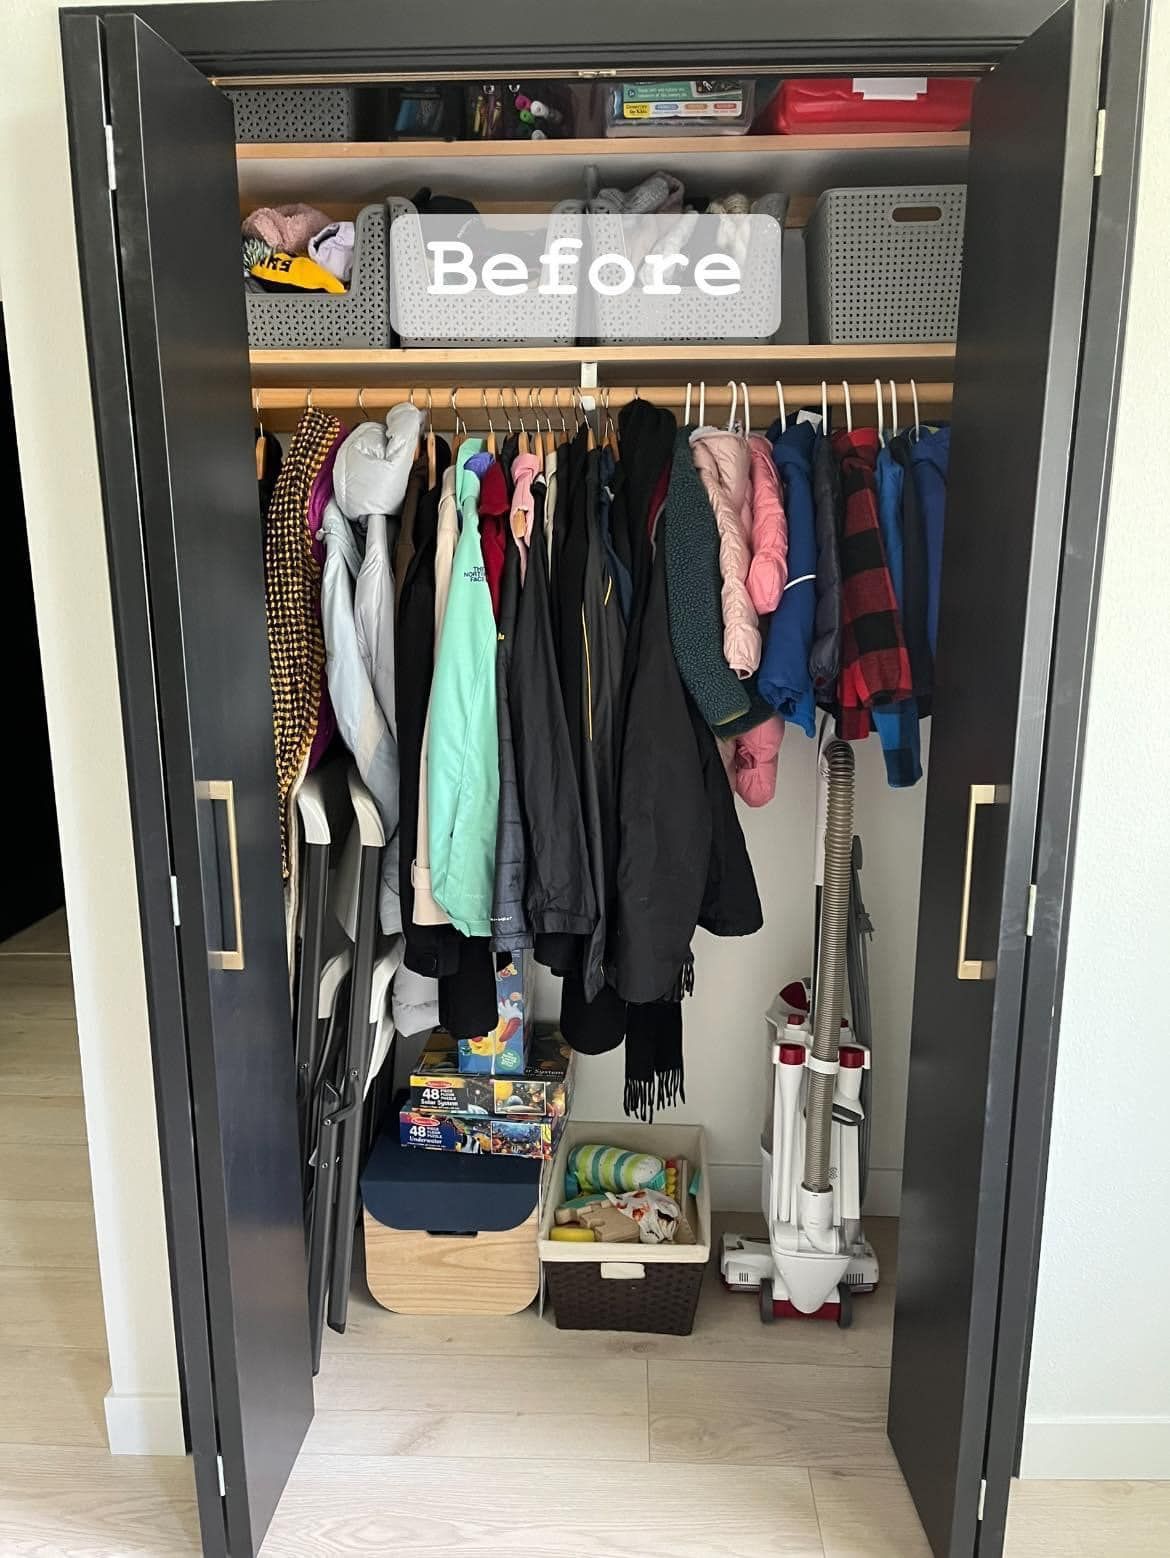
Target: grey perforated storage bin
column 682, row 318
column 422, row 318
column 358, row 317
column 294, row 113
column 885, row 264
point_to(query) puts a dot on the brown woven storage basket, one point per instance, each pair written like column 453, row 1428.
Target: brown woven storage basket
column 629, row 1287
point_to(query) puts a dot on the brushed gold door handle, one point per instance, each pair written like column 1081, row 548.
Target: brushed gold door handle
column 981, row 795
column 229, row 958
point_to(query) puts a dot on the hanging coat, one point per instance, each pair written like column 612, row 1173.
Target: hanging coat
column 370, row 474
column 915, row 602
column 559, row 891
column 875, row 669
column 769, row 539
column 666, row 824
column 296, row 652
column 604, row 634
column 430, row 949
column 785, row 680
column 510, row 931
column 724, row 466
column 896, row 724
column 426, row 910
column 689, row 537
column 463, row 767
column 929, row 458
column 824, row 659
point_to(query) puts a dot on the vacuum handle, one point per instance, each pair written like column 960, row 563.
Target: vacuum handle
column 980, row 795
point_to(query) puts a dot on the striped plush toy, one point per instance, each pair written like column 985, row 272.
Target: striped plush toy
column 611, row 1168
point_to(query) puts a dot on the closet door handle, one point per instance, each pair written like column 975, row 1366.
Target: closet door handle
column 231, row 958
column 981, row 795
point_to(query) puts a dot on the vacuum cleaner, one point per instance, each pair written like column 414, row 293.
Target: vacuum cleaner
column 815, row 1147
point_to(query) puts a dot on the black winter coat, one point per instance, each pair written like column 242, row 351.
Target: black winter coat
column 559, row 896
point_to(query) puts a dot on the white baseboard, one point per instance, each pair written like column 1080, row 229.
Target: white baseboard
column 1107, row 1449
column 735, row 1187
column 144, row 1425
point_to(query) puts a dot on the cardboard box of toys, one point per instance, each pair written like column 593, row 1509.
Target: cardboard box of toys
column 504, row 1051
column 541, row 1091
column 479, row 1133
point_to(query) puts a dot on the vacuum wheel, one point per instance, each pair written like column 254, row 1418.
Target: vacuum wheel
column 845, row 1306
column 767, row 1313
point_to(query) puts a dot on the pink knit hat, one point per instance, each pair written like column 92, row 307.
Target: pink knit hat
column 288, row 228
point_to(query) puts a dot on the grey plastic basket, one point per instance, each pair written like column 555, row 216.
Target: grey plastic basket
column 880, row 268
column 294, row 113
column 358, row 317
column 482, row 317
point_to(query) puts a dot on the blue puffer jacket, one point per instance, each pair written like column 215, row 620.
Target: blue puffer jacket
column 785, row 680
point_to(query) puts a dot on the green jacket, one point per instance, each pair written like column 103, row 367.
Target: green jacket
column 463, row 767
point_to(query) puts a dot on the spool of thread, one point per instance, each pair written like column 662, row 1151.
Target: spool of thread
column 522, row 101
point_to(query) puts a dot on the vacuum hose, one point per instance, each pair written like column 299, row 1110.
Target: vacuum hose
column 830, row 991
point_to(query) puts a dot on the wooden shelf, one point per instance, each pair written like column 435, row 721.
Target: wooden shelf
column 341, row 175
column 660, row 146
column 619, row 364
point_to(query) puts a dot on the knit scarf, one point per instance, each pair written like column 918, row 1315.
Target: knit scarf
column 292, row 590
column 654, row 1052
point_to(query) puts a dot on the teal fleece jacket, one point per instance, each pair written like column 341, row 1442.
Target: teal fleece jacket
column 463, row 774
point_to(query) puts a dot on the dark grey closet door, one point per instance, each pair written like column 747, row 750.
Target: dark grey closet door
column 178, row 226
column 1030, row 200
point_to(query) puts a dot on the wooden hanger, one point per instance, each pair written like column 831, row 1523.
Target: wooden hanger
column 261, row 441
column 457, row 436
column 491, row 436
column 523, row 445
column 611, row 438
column 534, row 402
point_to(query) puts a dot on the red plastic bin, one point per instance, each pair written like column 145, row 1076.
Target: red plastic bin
column 835, row 106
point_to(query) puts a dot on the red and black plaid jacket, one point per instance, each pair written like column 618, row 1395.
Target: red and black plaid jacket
column 875, row 668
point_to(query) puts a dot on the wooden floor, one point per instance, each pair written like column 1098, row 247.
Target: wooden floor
column 494, row 1438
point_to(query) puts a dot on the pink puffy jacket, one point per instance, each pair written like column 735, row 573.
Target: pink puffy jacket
column 724, row 468
column 757, row 757
column 768, row 573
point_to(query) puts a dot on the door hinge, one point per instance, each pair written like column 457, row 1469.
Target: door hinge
column 1031, row 921
column 175, row 900
column 223, row 1485
column 1099, row 150
column 111, row 175
column 978, row 1514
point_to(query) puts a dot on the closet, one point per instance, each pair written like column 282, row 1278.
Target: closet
column 160, row 184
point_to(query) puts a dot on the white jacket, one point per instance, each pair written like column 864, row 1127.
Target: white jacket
column 357, row 610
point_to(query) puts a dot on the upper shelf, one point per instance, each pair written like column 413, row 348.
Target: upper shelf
column 353, row 172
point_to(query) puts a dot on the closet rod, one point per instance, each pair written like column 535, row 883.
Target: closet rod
column 469, row 398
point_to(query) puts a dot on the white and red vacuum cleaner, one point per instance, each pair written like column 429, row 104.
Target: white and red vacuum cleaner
column 815, row 1146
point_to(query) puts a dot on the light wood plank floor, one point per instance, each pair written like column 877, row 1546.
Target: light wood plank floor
column 491, row 1437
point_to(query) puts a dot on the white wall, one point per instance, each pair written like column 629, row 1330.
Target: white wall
column 735, row 980
column 1099, row 1394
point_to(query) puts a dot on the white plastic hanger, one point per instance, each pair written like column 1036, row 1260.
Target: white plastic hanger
column 848, row 406
column 734, row 405
column 747, row 410
column 687, row 406
column 917, row 419
column 893, row 409
column 880, row 402
column 783, row 408
column 824, row 408
column 702, row 402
